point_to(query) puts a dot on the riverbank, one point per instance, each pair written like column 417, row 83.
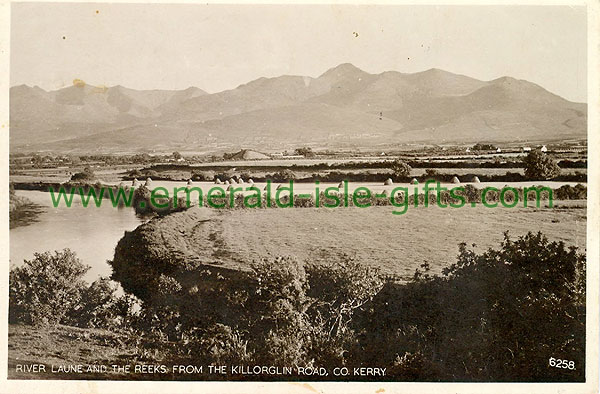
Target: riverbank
column 22, row 211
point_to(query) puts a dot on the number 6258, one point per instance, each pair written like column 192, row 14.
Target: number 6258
column 558, row 363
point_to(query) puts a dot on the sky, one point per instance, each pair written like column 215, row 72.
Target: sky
column 219, row 47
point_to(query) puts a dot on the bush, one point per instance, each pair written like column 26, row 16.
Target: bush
column 305, row 151
column 568, row 192
column 219, row 344
column 44, row 289
column 87, row 175
column 481, row 146
column 98, row 306
column 400, row 169
column 282, row 176
column 431, row 173
column 142, row 203
column 502, row 313
column 538, row 165
column 203, row 176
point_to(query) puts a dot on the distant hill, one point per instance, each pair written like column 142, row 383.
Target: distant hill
column 344, row 107
column 248, row 154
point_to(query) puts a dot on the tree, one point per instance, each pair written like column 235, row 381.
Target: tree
column 176, row 155
column 538, row 165
column 400, row 168
column 44, row 289
column 86, row 175
column 481, row 146
column 305, row 151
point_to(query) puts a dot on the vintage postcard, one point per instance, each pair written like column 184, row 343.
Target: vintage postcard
column 300, row 197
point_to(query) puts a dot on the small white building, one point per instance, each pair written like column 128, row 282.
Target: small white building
column 544, row 149
column 526, row 149
column 468, row 150
column 498, row 150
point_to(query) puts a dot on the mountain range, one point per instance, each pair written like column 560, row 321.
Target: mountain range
column 344, row 107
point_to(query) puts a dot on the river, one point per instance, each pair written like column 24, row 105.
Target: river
column 92, row 233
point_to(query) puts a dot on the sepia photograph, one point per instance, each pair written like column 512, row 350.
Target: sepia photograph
column 295, row 196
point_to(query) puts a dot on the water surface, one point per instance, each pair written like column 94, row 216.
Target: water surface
column 92, row 233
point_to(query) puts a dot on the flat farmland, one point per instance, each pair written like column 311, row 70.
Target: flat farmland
column 374, row 236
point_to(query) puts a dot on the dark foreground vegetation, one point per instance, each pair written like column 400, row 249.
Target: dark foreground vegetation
column 495, row 316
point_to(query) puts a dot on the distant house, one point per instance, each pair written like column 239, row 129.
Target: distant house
column 526, row 149
column 382, row 154
column 498, row 150
column 544, row 149
column 468, row 150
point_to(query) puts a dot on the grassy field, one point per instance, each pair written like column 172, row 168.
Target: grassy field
column 62, row 345
column 395, row 244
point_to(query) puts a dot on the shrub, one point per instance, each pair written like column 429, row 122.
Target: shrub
column 219, row 344
column 44, row 289
column 87, row 175
column 282, row 176
column 203, row 176
column 431, row 173
column 400, row 169
column 98, row 306
column 568, row 192
column 305, row 151
column 502, row 313
column 538, row 165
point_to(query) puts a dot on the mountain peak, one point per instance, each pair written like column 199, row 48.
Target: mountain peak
column 505, row 79
column 436, row 73
column 342, row 70
column 24, row 88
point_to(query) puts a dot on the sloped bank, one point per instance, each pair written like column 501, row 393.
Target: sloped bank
column 168, row 262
